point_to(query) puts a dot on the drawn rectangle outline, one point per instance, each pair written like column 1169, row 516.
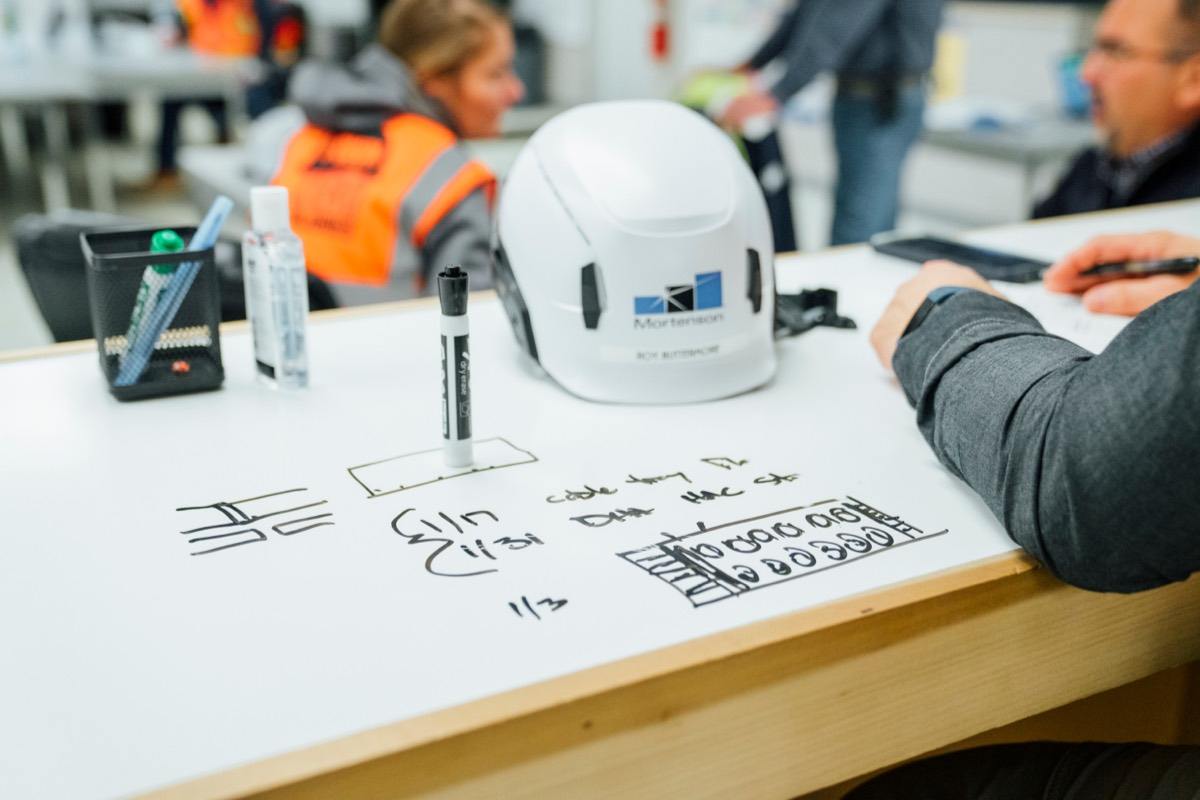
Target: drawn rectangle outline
column 358, row 472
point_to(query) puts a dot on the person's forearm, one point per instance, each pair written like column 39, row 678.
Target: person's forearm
column 1068, row 450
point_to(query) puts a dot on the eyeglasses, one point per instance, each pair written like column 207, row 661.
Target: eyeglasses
column 1116, row 51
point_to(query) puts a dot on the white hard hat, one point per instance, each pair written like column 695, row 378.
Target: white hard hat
column 633, row 254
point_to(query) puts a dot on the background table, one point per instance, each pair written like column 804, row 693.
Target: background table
column 52, row 84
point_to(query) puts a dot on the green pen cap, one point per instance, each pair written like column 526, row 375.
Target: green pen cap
column 166, row 241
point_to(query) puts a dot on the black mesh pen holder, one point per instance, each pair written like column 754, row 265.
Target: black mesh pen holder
column 185, row 355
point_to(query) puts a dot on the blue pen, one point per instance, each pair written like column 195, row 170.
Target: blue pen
column 139, row 352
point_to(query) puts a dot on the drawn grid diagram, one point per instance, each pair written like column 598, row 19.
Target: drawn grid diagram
column 244, row 520
column 422, row 468
column 716, row 563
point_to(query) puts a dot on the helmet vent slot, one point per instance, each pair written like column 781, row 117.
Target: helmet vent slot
column 591, row 298
column 754, row 280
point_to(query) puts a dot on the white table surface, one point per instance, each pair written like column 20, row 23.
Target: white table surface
column 105, row 697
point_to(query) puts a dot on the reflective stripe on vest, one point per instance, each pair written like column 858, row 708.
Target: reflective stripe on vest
column 353, row 195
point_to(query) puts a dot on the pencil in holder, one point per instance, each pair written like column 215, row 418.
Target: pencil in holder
column 156, row 316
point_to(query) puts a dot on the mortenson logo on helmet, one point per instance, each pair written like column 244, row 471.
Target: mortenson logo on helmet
column 670, row 310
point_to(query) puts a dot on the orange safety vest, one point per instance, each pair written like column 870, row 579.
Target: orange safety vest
column 221, row 28
column 352, row 194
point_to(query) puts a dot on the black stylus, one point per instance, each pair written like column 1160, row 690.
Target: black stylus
column 1151, row 267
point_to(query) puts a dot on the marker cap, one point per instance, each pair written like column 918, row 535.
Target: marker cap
column 452, row 290
column 269, row 208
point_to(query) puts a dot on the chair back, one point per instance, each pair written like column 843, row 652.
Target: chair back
column 52, row 261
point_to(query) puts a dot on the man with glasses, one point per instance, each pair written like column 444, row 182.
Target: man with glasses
column 1144, row 72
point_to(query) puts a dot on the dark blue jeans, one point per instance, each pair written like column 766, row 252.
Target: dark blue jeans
column 168, row 136
column 871, row 145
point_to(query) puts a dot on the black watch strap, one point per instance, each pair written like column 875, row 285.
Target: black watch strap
column 931, row 301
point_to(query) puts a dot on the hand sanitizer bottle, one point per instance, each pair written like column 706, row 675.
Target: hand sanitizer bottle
column 276, row 290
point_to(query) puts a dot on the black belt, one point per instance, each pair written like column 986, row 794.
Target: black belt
column 883, row 89
column 872, row 84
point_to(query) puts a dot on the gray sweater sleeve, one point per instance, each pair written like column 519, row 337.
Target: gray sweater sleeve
column 1088, row 461
column 775, row 43
column 820, row 35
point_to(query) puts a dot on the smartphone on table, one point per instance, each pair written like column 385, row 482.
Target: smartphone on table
column 995, row 265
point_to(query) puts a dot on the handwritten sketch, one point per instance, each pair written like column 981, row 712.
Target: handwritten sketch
column 724, row 462
column 774, row 479
column 608, row 518
column 524, row 608
column 715, row 563
column 409, row 471
column 453, row 556
column 653, row 479
column 247, row 521
column 586, row 493
column 695, row 498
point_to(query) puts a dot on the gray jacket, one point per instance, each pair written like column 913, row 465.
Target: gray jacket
column 359, row 98
column 867, row 39
column 1089, row 461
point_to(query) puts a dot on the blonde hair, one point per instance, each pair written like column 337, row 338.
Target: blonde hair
column 437, row 37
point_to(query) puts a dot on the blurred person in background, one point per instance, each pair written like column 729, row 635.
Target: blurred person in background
column 1144, row 72
column 270, row 30
column 881, row 52
column 383, row 193
column 281, row 46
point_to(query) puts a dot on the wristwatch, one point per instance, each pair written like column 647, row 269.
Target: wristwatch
column 931, row 301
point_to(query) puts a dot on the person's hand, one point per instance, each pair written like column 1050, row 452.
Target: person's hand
column 747, row 106
column 1108, row 294
column 934, row 274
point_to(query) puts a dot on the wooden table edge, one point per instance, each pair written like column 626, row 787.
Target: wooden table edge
column 496, row 710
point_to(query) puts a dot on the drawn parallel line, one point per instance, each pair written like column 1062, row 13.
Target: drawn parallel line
column 255, row 519
column 302, row 530
column 227, row 535
column 279, row 528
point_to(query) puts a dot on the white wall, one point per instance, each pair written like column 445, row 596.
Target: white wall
column 720, row 33
column 1013, row 48
column 600, row 49
column 336, row 13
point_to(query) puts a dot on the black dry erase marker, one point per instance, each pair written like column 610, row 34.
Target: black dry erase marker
column 1160, row 266
column 456, row 368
